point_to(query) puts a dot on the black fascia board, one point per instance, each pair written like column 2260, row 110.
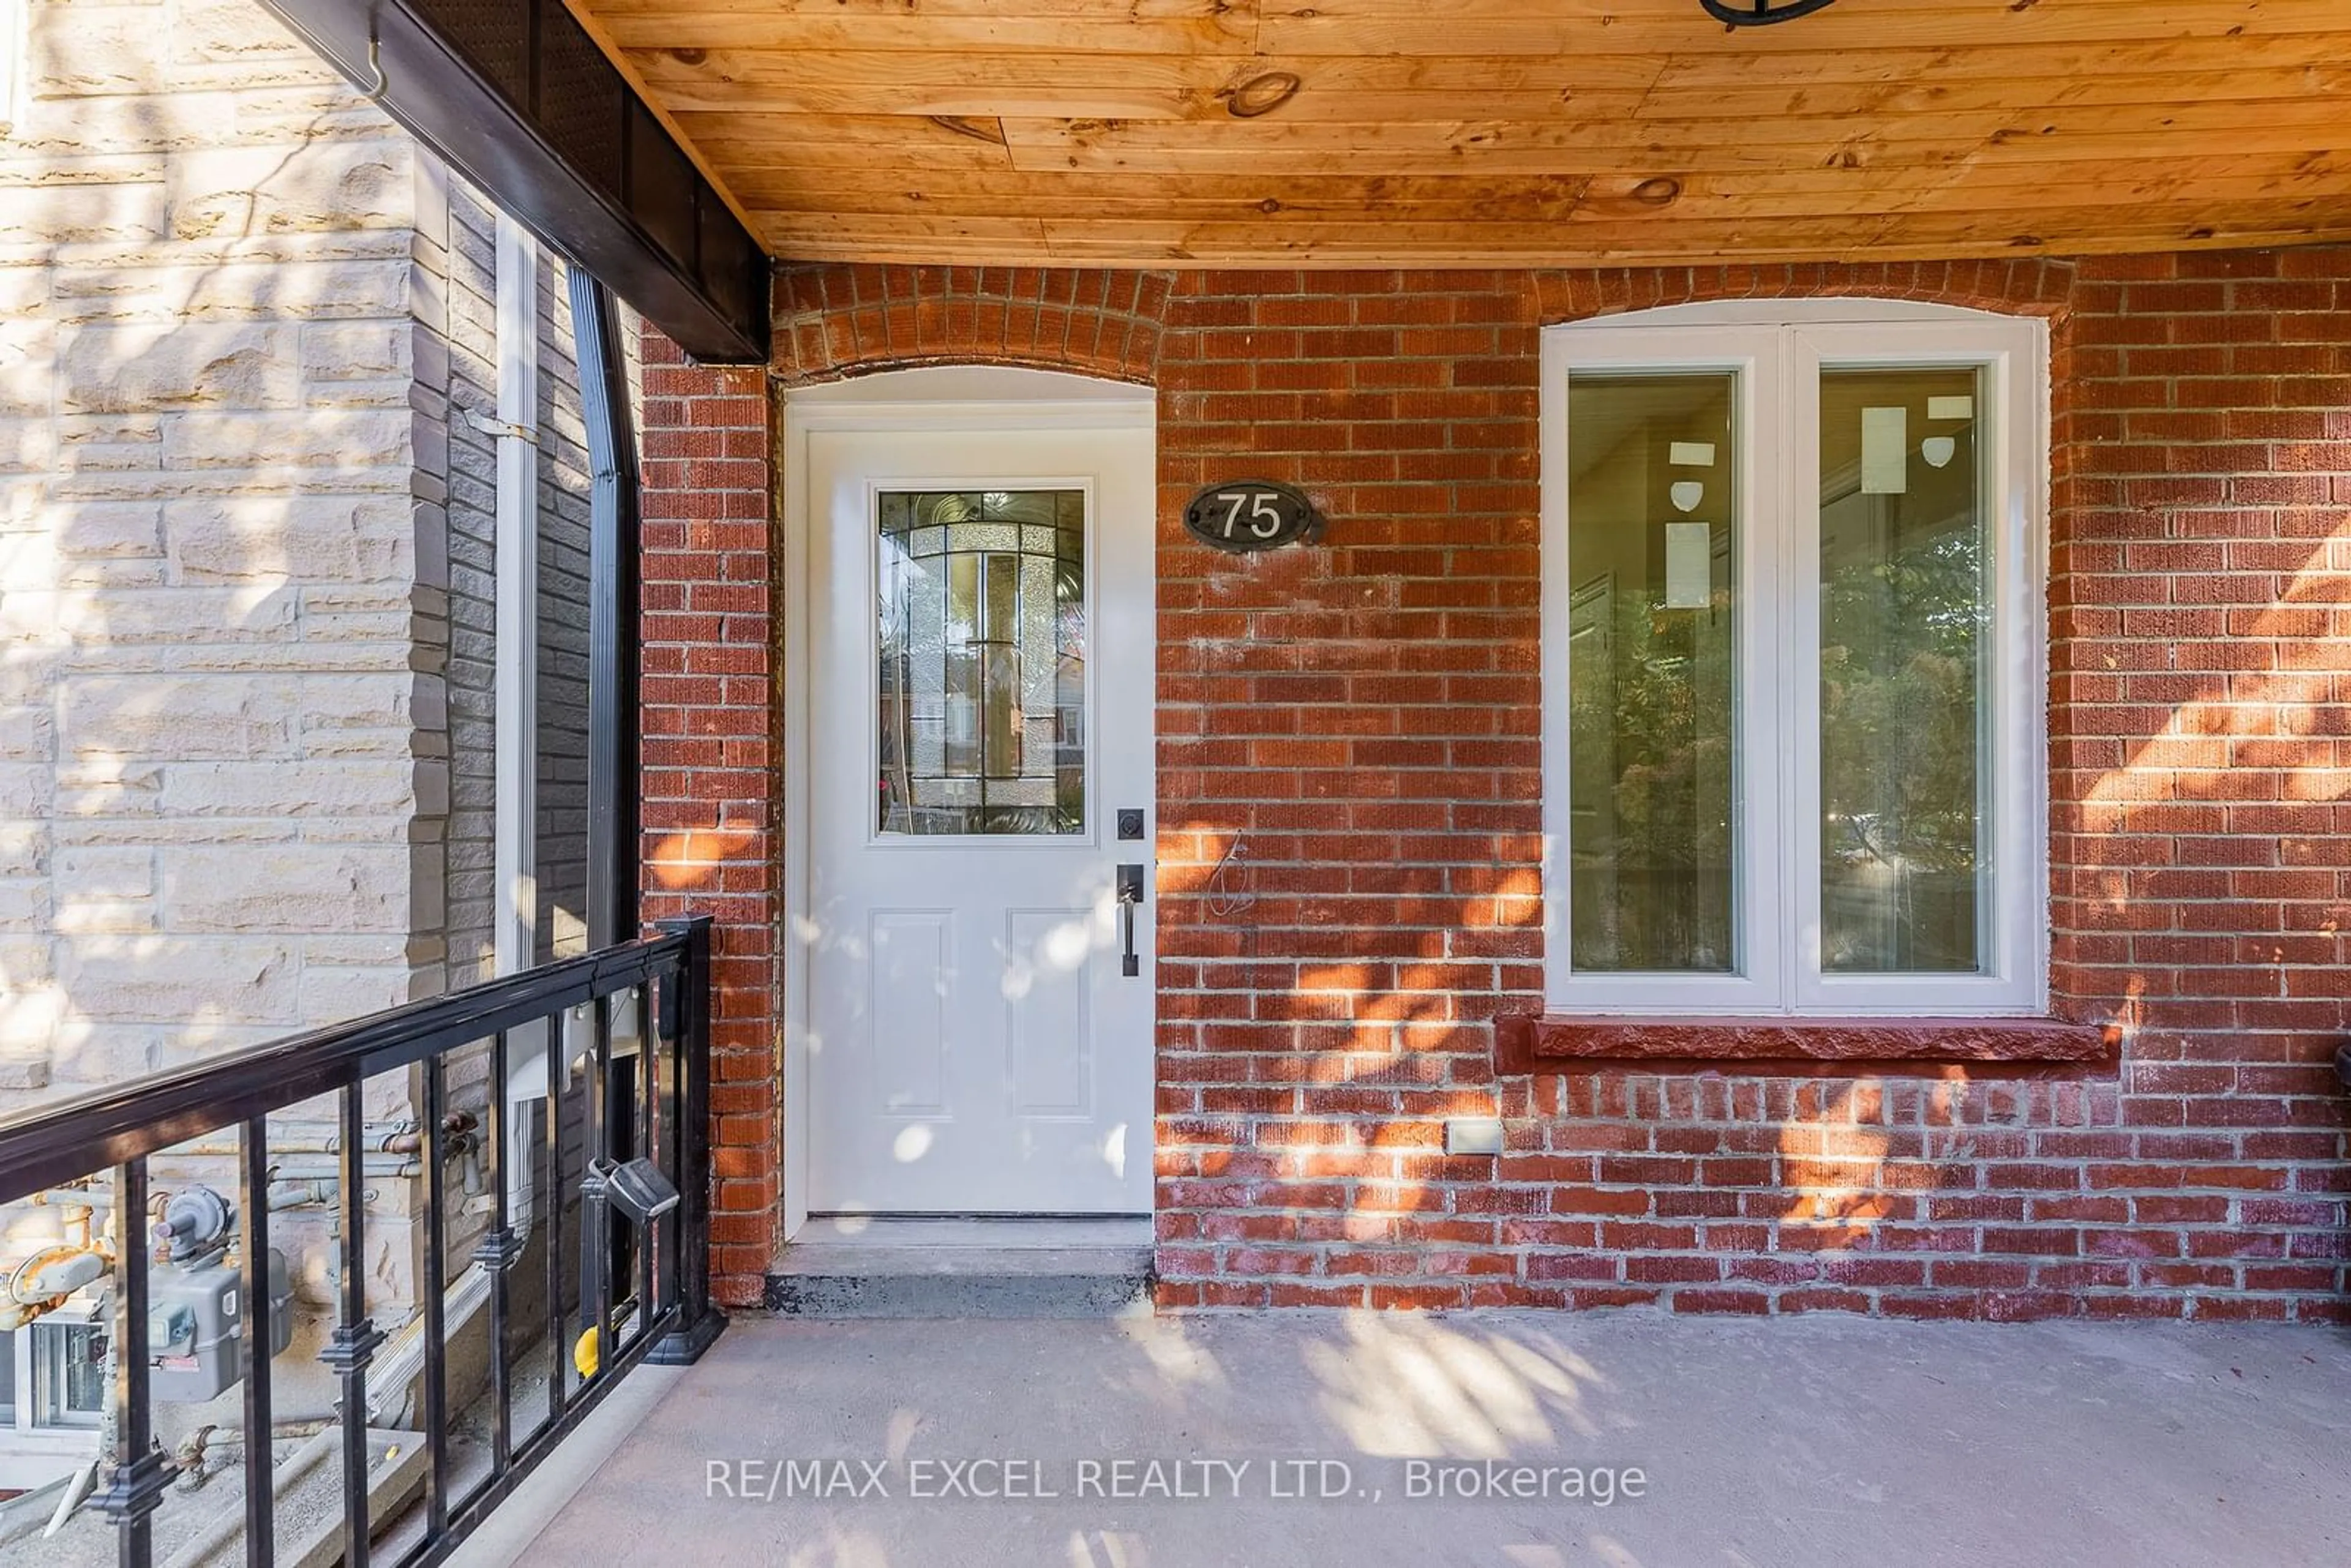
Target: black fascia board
column 517, row 97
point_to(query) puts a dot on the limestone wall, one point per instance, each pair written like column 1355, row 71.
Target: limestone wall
column 223, row 749
column 248, row 349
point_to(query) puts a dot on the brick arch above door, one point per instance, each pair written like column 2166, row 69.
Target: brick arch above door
column 837, row 320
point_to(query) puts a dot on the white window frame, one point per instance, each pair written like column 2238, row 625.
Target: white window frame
column 1776, row 350
column 37, row 1407
column 36, row 1448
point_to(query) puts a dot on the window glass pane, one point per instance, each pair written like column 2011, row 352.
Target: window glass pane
column 1905, row 629
column 72, row 1360
column 981, row 622
column 1652, row 776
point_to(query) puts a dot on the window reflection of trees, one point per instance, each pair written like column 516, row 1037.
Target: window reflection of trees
column 1651, row 685
column 1903, row 625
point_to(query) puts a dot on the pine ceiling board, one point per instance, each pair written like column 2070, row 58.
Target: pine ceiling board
column 2022, row 73
column 2220, row 124
column 1003, row 238
column 1505, row 27
column 1471, row 247
column 744, row 161
column 1073, row 252
column 898, row 70
column 1774, row 99
column 2007, row 207
column 1228, row 30
column 1896, row 58
column 1649, row 15
column 1598, row 234
column 743, row 142
column 776, row 82
column 1358, row 202
column 882, row 11
column 1377, row 197
column 991, row 100
column 1012, row 98
column 1183, row 246
column 1447, row 132
column 750, row 140
column 1524, row 150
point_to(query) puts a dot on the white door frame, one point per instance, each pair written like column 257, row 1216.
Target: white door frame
column 965, row 397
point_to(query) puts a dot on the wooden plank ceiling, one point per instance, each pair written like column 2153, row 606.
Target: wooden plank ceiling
column 1434, row 133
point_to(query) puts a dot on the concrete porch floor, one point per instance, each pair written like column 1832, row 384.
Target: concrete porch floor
column 1814, row 1441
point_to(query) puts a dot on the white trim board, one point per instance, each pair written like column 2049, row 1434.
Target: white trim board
column 953, row 397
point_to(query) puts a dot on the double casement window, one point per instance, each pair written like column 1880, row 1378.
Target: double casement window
column 1792, row 562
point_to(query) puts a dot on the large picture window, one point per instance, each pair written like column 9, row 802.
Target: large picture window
column 1793, row 567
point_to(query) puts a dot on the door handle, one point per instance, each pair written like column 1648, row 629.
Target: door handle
column 1130, row 898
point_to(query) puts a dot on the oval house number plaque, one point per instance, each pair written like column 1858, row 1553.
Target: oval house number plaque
column 1254, row 514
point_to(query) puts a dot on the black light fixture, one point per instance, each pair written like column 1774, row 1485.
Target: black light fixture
column 1761, row 13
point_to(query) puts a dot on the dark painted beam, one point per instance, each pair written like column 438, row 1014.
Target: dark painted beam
column 614, row 599
column 517, row 97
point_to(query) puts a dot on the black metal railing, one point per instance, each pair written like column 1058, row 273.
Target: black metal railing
column 617, row 1157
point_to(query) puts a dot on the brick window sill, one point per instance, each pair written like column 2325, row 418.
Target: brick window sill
column 1569, row 1042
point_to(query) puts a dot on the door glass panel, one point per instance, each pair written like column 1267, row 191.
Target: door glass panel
column 1905, row 629
column 1651, row 676
column 982, row 637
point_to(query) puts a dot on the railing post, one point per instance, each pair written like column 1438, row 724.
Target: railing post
column 254, row 1344
column 595, row 1205
column 352, row 1345
column 497, row 1252
column 433, row 1149
column 699, row 1323
column 141, row 1474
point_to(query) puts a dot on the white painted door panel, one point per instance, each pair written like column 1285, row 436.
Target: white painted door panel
column 980, row 653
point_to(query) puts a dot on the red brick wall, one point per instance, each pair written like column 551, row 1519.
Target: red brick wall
column 710, row 812
column 2201, row 787
column 1365, row 714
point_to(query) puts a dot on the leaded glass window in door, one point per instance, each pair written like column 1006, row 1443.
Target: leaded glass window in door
column 982, row 642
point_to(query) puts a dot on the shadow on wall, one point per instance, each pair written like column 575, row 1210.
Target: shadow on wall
column 2261, row 738
column 1321, row 1176
column 209, row 778
column 221, row 622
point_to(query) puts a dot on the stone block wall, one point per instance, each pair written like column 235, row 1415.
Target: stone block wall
column 248, row 355
column 221, row 763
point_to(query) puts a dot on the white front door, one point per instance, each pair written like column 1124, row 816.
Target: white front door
column 980, row 641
